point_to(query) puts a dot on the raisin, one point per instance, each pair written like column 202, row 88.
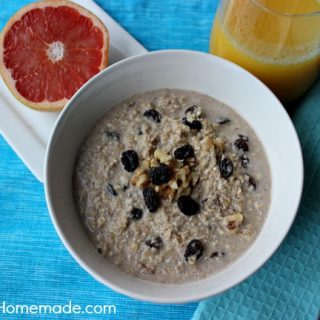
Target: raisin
column 153, row 114
column 112, row 190
column 244, row 160
column 130, row 160
column 191, row 109
column 147, row 270
column 136, row 214
column 113, row 135
column 217, row 254
column 188, row 206
column 203, row 201
column 242, row 143
column 154, row 243
column 252, row 185
column 140, row 133
column 160, row 174
column 184, row 152
column 194, row 248
column 151, row 199
column 226, row 167
column 100, row 251
column 195, row 124
column 222, row 120
column 245, row 138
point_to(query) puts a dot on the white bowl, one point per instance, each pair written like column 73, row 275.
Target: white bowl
column 188, row 70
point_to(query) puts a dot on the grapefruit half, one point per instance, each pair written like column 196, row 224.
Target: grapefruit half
column 49, row 49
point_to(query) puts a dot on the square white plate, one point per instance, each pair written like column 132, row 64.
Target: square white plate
column 28, row 131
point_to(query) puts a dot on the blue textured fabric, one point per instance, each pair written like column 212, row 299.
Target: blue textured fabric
column 35, row 268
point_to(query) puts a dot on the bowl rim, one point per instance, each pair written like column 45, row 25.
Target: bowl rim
column 136, row 295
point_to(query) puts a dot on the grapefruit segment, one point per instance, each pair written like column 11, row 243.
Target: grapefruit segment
column 49, row 49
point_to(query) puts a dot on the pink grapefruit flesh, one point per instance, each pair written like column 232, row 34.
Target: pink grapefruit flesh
column 49, row 49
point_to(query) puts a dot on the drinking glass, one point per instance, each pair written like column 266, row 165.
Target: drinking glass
column 276, row 40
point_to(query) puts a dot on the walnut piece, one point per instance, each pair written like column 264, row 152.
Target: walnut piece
column 140, row 178
column 233, row 221
column 162, row 156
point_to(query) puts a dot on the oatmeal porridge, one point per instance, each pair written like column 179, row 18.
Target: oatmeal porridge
column 172, row 186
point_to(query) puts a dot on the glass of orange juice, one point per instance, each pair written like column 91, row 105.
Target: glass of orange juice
column 276, row 40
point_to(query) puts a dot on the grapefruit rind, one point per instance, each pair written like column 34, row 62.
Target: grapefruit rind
column 5, row 73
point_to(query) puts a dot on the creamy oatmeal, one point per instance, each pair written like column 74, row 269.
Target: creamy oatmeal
column 172, row 186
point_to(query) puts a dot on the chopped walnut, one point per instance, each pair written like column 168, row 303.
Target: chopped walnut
column 140, row 178
column 219, row 145
column 208, row 144
column 233, row 221
column 162, row 156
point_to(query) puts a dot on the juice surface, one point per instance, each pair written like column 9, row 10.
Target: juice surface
column 281, row 50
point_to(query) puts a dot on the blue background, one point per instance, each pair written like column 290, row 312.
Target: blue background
column 35, row 268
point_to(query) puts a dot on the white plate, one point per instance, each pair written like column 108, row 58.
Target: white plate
column 27, row 130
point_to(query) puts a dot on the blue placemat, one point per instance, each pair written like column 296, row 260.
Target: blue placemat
column 36, row 269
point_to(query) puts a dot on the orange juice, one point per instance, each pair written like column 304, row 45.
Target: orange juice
column 276, row 40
